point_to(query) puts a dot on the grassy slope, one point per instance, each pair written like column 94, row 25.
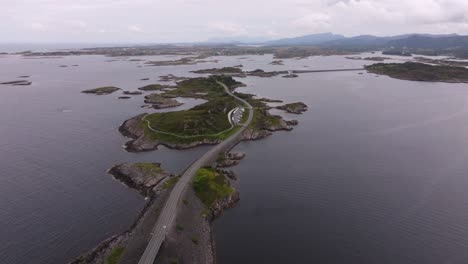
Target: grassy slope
column 152, row 169
column 211, row 186
column 261, row 118
column 202, row 120
column 114, row 256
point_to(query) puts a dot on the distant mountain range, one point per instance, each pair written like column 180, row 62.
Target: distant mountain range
column 313, row 39
column 424, row 44
column 411, row 40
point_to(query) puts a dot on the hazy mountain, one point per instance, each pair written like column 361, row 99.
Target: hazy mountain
column 374, row 41
column 235, row 40
column 363, row 40
column 312, row 39
column 330, row 39
column 425, row 44
column 430, row 42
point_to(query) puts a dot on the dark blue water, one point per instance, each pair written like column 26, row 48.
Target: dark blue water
column 56, row 145
column 376, row 172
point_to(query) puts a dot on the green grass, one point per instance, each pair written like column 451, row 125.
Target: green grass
column 204, row 121
column 115, row 255
column 195, row 240
column 202, row 87
column 198, row 88
column 262, row 120
column 211, row 186
column 152, row 169
column 171, row 182
column 221, row 157
column 173, row 261
column 179, row 227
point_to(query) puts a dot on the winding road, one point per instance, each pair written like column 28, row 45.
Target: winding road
column 168, row 214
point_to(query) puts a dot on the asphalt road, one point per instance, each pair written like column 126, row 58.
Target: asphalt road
column 167, row 216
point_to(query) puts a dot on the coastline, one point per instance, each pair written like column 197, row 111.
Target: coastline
column 197, row 218
column 157, row 198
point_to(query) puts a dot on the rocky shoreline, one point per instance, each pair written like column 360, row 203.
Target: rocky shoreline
column 102, row 90
column 229, row 159
column 237, row 72
column 160, row 102
column 17, row 83
column 294, row 108
column 134, row 128
column 140, row 176
column 190, row 239
column 132, row 242
column 192, row 233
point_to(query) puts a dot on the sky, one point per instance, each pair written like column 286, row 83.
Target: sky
column 169, row 21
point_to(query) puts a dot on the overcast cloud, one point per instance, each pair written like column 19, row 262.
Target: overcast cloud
column 199, row 20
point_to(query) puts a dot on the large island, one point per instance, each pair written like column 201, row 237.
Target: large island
column 204, row 124
column 413, row 71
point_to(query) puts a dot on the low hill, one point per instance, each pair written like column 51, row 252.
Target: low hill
column 312, row 39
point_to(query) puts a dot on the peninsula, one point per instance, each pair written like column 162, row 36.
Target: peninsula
column 102, row 90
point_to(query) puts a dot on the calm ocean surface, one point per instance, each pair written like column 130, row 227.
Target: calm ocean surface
column 374, row 173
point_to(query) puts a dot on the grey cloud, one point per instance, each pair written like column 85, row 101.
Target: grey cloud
column 197, row 20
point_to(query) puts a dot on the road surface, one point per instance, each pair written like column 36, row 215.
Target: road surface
column 167, row 216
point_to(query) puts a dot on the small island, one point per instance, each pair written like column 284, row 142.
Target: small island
column 140, row 176
column 236, row 72
column 413, row 71
column 171, row 78
column 132, row 93
column 155, row 87
column 229, row 159
column 183, row 61
column 277, row 62
column 290, row 75
column 224, row 70
column 376, row 58
column 17, row 83
column 159, row 101
column 294, row 108
column 102, row 90
column 367, row 58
